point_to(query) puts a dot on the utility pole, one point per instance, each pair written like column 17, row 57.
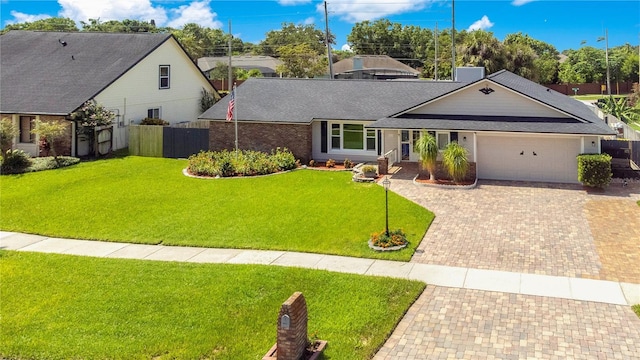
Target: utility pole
column 435, row 60
column 230, row 68
column 453, row 40
column 329, row 57
column 606, row 58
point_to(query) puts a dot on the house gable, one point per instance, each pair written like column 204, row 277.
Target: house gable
column 486, row 98
column 138, row 90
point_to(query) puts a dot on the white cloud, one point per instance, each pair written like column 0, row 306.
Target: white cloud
column 198, row 12
column 82, row 10
column 19, row 17
column 309, row 21
column 521, row 2
column 360, row 10
column 293, row 2
column 482, row 24
column 346, row 47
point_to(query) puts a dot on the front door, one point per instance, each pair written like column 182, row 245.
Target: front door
column 407, row 140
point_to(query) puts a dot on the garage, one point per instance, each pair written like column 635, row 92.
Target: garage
column 528, row 158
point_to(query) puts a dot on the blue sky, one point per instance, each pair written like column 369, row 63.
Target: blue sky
column 565, row 24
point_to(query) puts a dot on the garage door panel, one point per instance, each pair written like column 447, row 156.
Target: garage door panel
column 546, row 159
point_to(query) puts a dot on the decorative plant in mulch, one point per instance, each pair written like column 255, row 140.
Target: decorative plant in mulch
column 395, row 238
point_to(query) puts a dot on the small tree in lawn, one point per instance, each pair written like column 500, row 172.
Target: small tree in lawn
column 50, row 131
column 8, row 132
column 455, row 161
column 427, row 147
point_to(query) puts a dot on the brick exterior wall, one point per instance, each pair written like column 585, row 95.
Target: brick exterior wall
column 262, row 137
column 292, row 341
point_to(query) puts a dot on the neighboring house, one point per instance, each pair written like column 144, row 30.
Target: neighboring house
column 376, row 67
column 49, row 75
column 266, row 64
column 513, row 129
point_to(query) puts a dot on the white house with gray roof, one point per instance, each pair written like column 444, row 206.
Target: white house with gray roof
column 512, row 128
column 49, row 75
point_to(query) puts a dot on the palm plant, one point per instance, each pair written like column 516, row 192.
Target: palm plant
column 620, row 109
column 455, row 161
column 427, row 147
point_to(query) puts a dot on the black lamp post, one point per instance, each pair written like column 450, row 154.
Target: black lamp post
column 386, row 184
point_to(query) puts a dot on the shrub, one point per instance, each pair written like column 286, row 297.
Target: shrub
column 284, row 158
column 245, row 163
column 330, row 163
column 396, row 238
column 369, row 169
column 455, row 161
column 8, row 131
column 312, row 163
column 15, row 161
column 152, row 121
column 594, row 169
column 348, row 164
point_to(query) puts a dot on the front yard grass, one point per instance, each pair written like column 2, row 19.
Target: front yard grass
column 150, row 201
column 70, row 307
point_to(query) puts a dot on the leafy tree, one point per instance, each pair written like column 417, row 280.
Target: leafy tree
column 50, row 132
column 586, row 64
column 481, row 48
column 207, row 100
column 292, row 35
column 455, row 161
column 520, row 59
column 124, row 26
column 201, row 41
column 49, row 24
column 254, row 73
column 8, row 132
column 545, row 63
column 427, row 147
column 301, row 61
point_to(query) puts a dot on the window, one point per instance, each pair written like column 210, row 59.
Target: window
column 153, row 113
column 352, row 137
column 443, row 140
column 164, row 76
column 26, row 125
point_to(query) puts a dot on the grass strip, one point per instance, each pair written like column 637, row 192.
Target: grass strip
column 63, row 307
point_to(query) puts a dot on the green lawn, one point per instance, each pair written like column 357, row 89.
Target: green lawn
column 69, row 307
column 594, row 96
column 149, row 200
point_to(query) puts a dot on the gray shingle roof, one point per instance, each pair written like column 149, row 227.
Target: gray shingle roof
column 41, row 76
column 302, row 100
column 373, row 62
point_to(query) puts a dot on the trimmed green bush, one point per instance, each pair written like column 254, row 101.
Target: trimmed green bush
column 594, row 169
column 246, row 163
column 153, row 121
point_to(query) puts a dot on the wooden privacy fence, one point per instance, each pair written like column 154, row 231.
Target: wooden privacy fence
column 169, row 142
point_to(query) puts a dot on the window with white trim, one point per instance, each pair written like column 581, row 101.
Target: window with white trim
column 443, row 139
column 164, row 74
column 352, row 137
column 26, row 125
column 154, row 113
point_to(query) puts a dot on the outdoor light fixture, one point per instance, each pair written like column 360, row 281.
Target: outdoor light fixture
column 386, row 183
column 593, row 144
column 464, row 138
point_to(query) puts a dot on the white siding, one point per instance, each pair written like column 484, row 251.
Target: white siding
column 138, row 90
column 467, row 143
column 501, row 102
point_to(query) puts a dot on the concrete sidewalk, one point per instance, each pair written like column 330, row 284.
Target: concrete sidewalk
column 561, row 287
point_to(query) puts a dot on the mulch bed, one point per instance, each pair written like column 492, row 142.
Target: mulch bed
column 424, row 179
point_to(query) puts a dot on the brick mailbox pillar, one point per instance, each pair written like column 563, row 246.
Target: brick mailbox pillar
column 292, row 328
column 383, row 165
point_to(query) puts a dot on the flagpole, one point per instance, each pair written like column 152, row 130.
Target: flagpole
column 235, row 116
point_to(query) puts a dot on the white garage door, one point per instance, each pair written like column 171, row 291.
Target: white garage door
column 550, row 159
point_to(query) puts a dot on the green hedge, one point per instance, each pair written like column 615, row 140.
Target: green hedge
column 594, row 169
column 245, row 163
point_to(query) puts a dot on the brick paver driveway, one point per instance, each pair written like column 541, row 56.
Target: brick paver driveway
column 536, row 228
column 525, row 227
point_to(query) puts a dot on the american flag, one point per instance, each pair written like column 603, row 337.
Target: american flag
column 232, row 104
